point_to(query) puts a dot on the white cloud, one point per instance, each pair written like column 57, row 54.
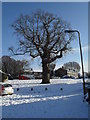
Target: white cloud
column 84, row 49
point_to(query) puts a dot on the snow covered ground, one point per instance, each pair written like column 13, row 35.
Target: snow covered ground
column 60, row 99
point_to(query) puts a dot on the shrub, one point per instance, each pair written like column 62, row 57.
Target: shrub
column 4, row 77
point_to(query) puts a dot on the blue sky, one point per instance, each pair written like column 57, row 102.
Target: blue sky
column 74, row 13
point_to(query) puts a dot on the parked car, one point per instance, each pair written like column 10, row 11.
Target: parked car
column 66, row 76
column 26, row 77
column 72, row 77
column 6, row 89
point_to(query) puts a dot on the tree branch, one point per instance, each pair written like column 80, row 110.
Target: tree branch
column 15, row 53
column 34, row 56
column 56, row 57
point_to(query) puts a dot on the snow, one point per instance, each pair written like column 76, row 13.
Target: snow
column 42, row 103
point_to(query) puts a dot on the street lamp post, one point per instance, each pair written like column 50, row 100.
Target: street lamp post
column 70, row 31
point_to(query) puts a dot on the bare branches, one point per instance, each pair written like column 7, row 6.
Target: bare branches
column 34, row 55
column 18, row 53
column 41, row 34
column 56, row 57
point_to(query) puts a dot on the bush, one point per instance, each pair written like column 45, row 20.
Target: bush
column 4, row 77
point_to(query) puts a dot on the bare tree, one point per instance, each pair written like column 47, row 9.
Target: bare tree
column 42, row 34
column 72, row 66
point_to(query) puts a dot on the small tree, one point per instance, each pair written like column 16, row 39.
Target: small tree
column 42, row 34
column 72, row 66
column 12, row 66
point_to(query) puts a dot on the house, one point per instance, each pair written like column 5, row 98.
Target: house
column 37, row 75
column 60, row 72
column 72, row 73
column 30, row 75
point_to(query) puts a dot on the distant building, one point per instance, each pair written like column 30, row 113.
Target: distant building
column 72, row 73
column 37, row 75
column 85, row 74
column 60, row 72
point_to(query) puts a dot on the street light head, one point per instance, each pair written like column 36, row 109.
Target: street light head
column 69, row 31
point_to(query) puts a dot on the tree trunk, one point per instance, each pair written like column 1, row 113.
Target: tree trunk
column 45, row 73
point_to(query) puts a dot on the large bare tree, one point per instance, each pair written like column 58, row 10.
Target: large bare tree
column 42, row 34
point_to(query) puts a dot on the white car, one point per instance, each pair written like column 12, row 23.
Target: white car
column 6, row 89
